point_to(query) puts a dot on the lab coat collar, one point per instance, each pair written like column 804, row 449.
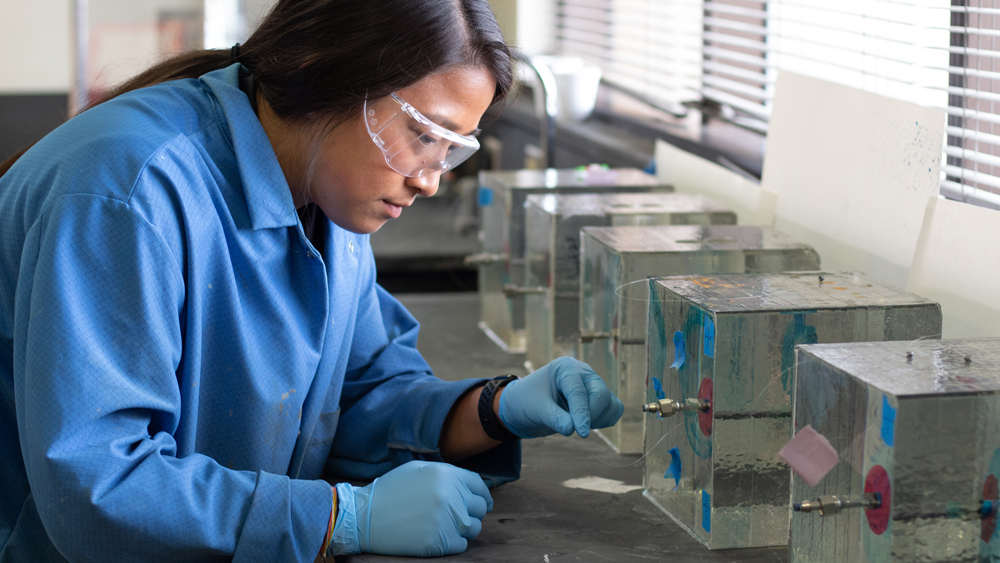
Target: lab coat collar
column 269, row 199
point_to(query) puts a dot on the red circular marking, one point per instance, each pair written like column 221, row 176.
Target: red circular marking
column 990, row 492
column 705, row 418
column 877, row 481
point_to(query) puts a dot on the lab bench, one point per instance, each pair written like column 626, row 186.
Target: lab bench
column 538, row 518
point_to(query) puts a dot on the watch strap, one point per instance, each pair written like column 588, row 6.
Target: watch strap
column 492, row 425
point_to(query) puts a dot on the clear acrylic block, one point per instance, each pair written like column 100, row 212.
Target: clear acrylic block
column 919, row 424
column 552, row 315
column 728, row 342
column 502, row 196
column 614, row 294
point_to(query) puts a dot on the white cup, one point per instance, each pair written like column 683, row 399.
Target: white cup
column 576, row 82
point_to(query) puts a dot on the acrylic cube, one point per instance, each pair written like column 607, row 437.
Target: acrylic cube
column 918, row 424
column 614, row 294
column 727, row 343
column 554, row 222
column 502, row 196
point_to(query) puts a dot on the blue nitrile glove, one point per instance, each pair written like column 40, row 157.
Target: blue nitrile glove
column 419, row 509
column 562, row 396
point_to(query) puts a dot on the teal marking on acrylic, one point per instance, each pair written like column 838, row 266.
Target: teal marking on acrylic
column 995, row 540
column 798, row 332
column 485, row 196
column 954, row 510
column 709, row 337
column 674, row 471
column 658, row 338
column 706, row 511
column 689, row 377
column 989, row 552
column 888, row 422
column 678, row 350
column 658, row 389
column 987, row 508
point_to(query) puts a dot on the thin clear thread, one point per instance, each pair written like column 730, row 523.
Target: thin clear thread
column 912, row 351
column 649, row 451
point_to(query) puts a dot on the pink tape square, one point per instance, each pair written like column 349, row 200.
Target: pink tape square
column 810, row 455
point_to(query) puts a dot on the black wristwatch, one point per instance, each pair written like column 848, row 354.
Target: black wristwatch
column 489, row 419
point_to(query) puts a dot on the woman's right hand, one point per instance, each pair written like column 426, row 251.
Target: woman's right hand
column 421, row 509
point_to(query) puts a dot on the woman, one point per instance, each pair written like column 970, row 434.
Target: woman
column 193, row 333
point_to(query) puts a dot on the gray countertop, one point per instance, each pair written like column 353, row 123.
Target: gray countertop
column 539, row 518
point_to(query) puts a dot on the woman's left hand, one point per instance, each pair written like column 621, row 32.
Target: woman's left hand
column 563, row 396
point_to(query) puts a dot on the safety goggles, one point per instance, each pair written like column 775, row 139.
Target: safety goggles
column 413, row 145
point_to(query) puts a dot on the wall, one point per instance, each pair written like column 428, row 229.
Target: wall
column 126, row 37
column 35, row 70
column 35, row 41
column 527, row 24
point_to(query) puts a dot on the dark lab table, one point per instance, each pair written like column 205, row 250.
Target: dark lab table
column 538, row 518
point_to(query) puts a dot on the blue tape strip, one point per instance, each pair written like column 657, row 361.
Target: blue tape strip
column 706, row 511
column 678, row 350
column 674, row 471
column 485, row 197
column 888, row 422
column 990, row 550
column 658, row 389
column 709, row 337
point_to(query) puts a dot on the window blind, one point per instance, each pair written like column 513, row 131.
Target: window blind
column 938, row 53
column 652, row 47
column 734, row 53
column 972, row 165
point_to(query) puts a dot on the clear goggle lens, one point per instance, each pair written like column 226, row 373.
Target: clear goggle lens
column 413, row 145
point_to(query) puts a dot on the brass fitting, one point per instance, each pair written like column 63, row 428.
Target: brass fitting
column 670, row 407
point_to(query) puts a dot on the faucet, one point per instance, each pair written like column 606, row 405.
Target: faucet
column 550, row 105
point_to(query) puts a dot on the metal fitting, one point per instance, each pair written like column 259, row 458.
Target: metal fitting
column 512, row 290
column 828, row 505
column 484, row 258
column 587, row 337
column 670, row 407
column 987, row 508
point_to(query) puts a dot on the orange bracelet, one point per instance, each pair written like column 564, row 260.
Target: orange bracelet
column 333, row 520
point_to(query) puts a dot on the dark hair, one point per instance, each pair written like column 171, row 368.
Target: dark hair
column 324, row 57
